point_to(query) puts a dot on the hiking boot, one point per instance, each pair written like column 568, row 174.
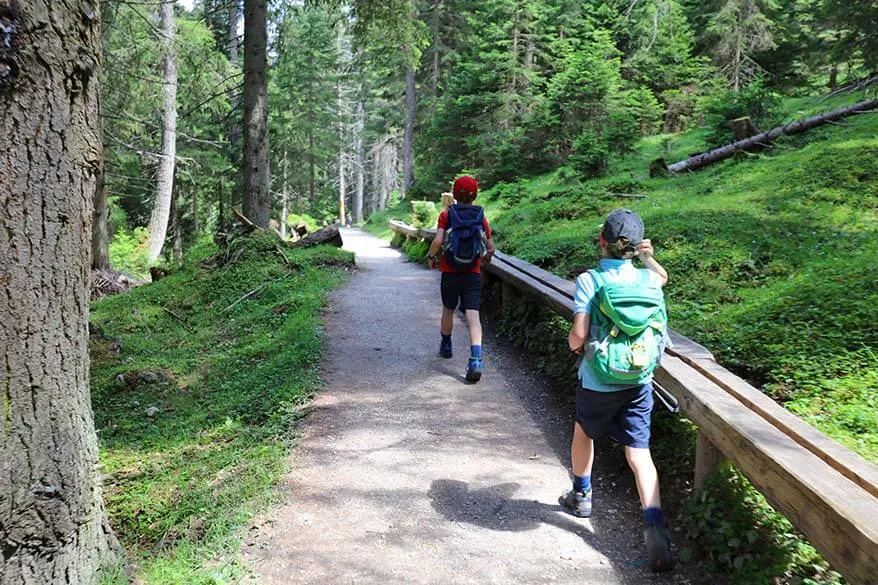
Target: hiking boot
column 445, row 349
column 658, row 547
column 577, row 503
column 474, row 370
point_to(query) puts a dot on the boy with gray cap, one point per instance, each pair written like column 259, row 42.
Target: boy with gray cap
column 620, row 410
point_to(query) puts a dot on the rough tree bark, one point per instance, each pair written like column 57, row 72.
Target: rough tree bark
column 161, row 210
column 100, row 233
column 760, row 140
column 234, row 121
column 53, row 527
column 256, row 201
column 408, row 141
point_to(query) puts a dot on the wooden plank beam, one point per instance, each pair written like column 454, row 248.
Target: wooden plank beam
column 532, row 287
column 839, row 457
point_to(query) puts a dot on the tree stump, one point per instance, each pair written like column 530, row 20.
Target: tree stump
column 743, row 128
column 658, row 168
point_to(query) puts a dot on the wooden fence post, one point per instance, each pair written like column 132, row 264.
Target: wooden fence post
column 707, row 459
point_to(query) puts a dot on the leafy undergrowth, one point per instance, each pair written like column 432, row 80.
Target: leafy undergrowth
column 196, row 391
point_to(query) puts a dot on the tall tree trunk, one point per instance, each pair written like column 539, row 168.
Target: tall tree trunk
column 235, row 121
column 100, row 233
column 285, row 198
column 158, row 221
column 376, row 179
column 196, row 220
column 361, row 161
column 256, row 201
column 312, row 165
column 341, row 137
column 177, row 229
column 221, row 221
column 342, row 194
column 53, row 526
column 408, row 147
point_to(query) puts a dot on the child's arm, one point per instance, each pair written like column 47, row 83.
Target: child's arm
column 647, row 255
column 435, row 247
column 489, row 247
column 576, row 337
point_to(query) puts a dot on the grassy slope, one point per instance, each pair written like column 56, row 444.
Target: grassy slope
column 771, row 256
column 231, row 383
column 771, row 259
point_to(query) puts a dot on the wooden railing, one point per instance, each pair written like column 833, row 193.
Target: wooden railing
column 827, row 491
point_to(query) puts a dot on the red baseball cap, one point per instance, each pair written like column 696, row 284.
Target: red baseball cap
column 465, row 185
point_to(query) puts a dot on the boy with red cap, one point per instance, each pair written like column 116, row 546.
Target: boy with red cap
column 464, row 238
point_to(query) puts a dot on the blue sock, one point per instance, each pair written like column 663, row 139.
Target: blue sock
column 476, row 351
column 446, row 339
column 653, row 516
column 581, row 484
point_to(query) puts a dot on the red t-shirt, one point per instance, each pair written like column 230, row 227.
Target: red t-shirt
column 442, row 224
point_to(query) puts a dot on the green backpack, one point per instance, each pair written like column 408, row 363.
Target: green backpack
column 628, row 330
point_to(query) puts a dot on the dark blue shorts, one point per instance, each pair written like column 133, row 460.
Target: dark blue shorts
column 463, row 289
column 624, row 414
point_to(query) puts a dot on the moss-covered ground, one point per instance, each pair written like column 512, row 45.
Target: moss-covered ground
column 196, row 392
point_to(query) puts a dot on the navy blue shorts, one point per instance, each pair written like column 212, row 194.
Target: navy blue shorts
column 624, row 414
column 463, row 289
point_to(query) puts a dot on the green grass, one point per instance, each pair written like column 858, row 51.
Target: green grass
column 771, row 260
column 228, row 383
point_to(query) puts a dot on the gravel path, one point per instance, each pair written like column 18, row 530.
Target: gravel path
column 405, row 474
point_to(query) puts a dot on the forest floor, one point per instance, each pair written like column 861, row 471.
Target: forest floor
column 406, row 474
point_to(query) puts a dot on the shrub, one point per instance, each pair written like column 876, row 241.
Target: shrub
column 424, row 214
column 128, row 252
column 754, row 101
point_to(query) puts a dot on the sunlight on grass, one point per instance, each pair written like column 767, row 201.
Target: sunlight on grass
column 196, row 397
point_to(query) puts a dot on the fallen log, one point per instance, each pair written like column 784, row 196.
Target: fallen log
column 328, row 235
column 760, row 140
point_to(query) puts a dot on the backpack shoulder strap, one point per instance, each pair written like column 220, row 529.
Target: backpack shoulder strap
column 453, row 217
column 599, row 280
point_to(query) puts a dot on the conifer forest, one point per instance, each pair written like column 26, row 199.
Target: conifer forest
column 166, row 166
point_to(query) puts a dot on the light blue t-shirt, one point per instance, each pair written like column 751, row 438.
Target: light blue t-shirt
column 612, row 270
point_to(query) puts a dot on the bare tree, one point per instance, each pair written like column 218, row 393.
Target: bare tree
column 361, row 162
column 53, row 526
column 256, row 175
column 161, row 210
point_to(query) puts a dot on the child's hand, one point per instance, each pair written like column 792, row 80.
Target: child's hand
column 645, row 251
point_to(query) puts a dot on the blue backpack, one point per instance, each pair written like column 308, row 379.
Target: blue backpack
column 464, row 241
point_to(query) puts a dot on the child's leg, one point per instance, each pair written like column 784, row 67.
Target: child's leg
column 646, row 477
column 447, row 322
column 581, row 452
column 475, row 326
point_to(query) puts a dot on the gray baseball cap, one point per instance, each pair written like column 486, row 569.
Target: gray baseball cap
column 623, row 223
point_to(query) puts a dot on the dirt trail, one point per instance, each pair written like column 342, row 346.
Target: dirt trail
column 405, row 474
